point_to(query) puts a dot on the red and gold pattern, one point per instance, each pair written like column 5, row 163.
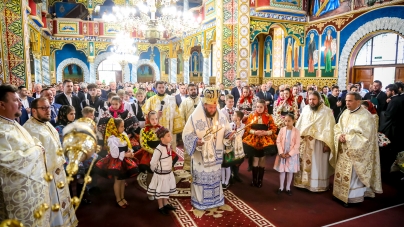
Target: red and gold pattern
column 259, row 142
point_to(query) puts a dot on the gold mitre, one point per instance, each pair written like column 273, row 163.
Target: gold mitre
column 211, row 96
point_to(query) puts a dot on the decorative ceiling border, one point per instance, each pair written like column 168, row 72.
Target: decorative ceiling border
column 277, row 16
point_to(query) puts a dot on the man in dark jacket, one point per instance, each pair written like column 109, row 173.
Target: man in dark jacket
column 67, row 98
column 377, row 97
column 237, row 91
column 336, row 103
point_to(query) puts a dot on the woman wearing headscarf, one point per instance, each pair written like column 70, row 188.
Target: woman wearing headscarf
column 283, row 106
column 247, row 102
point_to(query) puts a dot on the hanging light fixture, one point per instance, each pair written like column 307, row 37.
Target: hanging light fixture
column 124, row 49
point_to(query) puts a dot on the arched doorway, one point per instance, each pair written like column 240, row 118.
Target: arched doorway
column 145, row 73
column 109, row 71
column 73, row 72
column 380, row 57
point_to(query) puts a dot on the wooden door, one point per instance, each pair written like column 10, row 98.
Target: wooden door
column 363, row 74
column 399, row 74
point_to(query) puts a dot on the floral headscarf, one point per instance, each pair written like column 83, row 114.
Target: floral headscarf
column 148, row 125
column 264, row 115
column 111, row 130
column 371, row 107
column 249, row 97
column 118, row 111
column 62, row 115
column 290, row 100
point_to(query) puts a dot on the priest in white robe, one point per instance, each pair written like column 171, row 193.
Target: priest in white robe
column 39, row 127
column 23, row 188
column 316, row 125
column 356, row 157
column 207, row 151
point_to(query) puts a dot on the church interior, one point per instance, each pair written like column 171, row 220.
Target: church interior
column 330, row 42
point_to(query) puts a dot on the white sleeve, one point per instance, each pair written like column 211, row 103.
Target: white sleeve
column 155, row 159
column 302, row 105
column 113, row 143
column 129, row 108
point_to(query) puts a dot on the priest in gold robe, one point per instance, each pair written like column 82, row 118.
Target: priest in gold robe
column 316, row 124
column 39, row 127
column 167, row 109
column 356, row 157
column 187, row 107
column 23, row 188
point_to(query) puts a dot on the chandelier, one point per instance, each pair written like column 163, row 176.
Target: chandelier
column 156, row 19
column 124, row 49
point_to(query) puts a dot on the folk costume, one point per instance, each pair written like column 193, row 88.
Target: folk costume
column 115, row 163
column 282, row 108
column 163, row 182
column 206, row 161
column 49, row 138
column 256, row 146
column 29, row 188
column 186, row 108
column 247, row 103
column 316, row 130
column 357, row 161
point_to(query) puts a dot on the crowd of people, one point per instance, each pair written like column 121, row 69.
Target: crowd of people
column 314, row 132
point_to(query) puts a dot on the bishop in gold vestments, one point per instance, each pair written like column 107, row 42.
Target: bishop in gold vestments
column 23, row 188
column 356, row 161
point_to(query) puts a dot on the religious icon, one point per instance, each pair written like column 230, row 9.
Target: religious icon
column 268, row 54
column 295, row 57
column 329, row 50
column 254, row 58
column 195, row 64
column 312, row 50
column 289, row 51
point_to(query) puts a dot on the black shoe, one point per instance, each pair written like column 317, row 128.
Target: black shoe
column 163, row 211
column 224, row 186
column 289, row 192
column 169, row 207
column 279, row 191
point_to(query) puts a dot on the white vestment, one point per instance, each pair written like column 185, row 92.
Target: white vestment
column 206, row 189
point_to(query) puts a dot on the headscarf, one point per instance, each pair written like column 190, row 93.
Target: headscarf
column 249, row 97
column 111, row 130
column 290, row 100
column 264, row 115
column 371, row 107
column 62, row 115
column 118, row 111
column 148, row 125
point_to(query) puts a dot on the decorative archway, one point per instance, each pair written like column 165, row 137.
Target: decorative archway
column 102, row 57
column 384, row 23
column 145, row 62
column 66, row 62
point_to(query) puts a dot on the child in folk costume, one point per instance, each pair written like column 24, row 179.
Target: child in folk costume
column 163, row 183
column 148, row 141
column 288, row 143
column 236, row 148
column 259, row 136
column 118, row 162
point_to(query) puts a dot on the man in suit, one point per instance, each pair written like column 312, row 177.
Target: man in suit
column 26, row 104
column 76, row 89
column 182, row 95
column 270, row 88
column 377, row 97
column 67, row 98
column 37, row 89
column 222, row 90
column 93, row 101
column 48, row 94
column 267, row 96
column 336, row 103
column 83, row 93
column 112, row 88
column 237, row 91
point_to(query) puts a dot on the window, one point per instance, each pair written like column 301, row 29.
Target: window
column 107, row 71
column 386, row 48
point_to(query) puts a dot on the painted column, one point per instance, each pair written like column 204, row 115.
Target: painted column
column 46, row 79
column 218, row 46
column 37, row 68
column 93, row 73
column 134, row 73
column 302, row 61
column 15, row 54
column 243, row 48
column 206, row 66
column 173, row 70
column 186, row 68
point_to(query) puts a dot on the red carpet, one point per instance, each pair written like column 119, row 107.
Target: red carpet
column 303, row 208
column 389, row 217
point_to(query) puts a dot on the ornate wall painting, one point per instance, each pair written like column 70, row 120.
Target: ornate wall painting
column 267, row 56
column 68, row 28
column 180, row 63
column 110, row 29
column 209, row 9
column 165, row 63
column 145, row 71
column 287, row 3
column 254, row 58
column 328, row 51
column 292, row 56
column 73, row 72
column 201, row 63
column 311, row 53
column 321, row 9
column 194, row 63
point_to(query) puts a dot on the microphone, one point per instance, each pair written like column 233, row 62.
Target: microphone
column 162, row 105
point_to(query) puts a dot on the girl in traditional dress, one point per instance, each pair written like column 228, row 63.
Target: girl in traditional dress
column 259, row 135
column 287, row 161
column 163, row 183
column 285, row 106
column 247, row 102
column 118, row 162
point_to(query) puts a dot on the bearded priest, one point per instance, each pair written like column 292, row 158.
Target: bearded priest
column 356, row 157
column 24, row 192
column 205, row 134
column 39, row 127
column 316, row 125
